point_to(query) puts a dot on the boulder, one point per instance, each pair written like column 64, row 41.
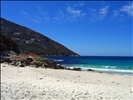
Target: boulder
column 77, row 69
column 90, row 70
column 44, row 65
column 17, row 63
column 26, row 61
column 21, row 65
column 54, row 65
column 38, row 64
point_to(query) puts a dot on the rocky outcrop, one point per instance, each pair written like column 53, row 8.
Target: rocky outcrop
column 34, row 61
column 6, row 55
column 90, row 70
column 39, row 64
column 77, row 69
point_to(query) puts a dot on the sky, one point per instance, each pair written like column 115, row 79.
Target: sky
column 93, row 28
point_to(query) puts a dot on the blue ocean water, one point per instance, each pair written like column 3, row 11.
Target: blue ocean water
column 97, row 63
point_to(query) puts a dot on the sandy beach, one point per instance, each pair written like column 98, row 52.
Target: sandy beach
column 28, row 83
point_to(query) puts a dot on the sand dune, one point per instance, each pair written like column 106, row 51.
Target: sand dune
column 18, row 83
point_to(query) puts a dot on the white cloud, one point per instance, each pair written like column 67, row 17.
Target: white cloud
column 128, row 9
column 68, row 15
column 103, row 12
column 98, row 14
column 116, row 13
column 24, row 13
column 121, row 12
column 59, row 16
column 37, row 16
column 72, row 11
column 29, row 16
column 75, row 13
column 43, row 14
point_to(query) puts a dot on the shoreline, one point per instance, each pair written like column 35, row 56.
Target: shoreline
column 57, row 84
column 112, row 64
column 104, row 70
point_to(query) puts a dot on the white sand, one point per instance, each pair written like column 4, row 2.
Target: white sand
column 48, row 84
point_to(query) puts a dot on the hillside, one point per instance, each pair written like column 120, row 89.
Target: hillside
column 30, row 41
column 7, row 44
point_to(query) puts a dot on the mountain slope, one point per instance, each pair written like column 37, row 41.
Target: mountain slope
column 31, row 41
column 7, row 44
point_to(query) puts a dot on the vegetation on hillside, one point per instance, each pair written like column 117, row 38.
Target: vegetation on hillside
column 7, row 44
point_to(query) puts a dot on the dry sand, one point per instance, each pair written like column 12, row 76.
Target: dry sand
column 29, row 83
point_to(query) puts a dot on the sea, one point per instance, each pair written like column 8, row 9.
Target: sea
column 105, row 64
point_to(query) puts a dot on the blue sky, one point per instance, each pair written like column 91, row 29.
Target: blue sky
column 88, row 28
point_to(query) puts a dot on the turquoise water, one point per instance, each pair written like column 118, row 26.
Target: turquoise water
column 97, row 63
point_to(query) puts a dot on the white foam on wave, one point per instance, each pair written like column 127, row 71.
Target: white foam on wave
column 113, row 70
column 106, row 66
column 105, row 69
column 112, row 67
column 58, row 60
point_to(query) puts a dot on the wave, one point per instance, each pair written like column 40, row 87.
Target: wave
column 56, row 60
column 104, row 69
column 120, row 71
column 112, row 67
